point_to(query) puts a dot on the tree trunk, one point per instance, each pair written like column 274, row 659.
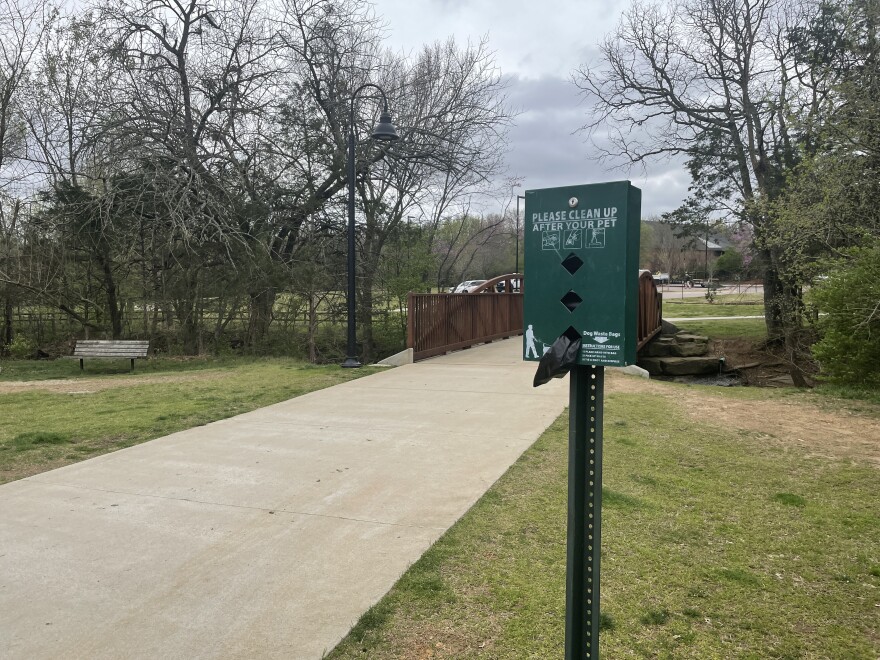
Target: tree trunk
column 369, row 268
column 189, row 334
column 8, row 331
column 186, row 308
column 112, row 291
column 783, row 315
column 313, row 327
column 365, row 319
column 371, row 254
column 773, row 317
column 145, row 292
column 199, row 316
column 793, row 352
column 185, row 311
column 260, row 315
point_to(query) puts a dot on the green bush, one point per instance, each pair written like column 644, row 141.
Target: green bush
column 389, row 336
column 729, row 263
column 848, row 300
column 21, row 348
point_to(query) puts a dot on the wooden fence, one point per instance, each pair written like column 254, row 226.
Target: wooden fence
column 141, row 318
column 441, row 322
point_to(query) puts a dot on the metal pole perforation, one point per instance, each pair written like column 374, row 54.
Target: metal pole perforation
column 586, row 395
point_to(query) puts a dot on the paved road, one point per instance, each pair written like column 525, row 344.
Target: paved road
column 267, row 534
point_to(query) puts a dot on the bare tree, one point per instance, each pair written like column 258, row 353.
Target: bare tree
column 70, row 88
column 23, row 26
column 191, row 155
column 718, row 82
column 450, row 104
column 198, row 82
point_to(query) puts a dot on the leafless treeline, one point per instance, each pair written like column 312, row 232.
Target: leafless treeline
column 158, row 154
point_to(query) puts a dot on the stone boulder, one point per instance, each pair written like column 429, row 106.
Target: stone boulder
column 683, row 344
column 667, row 328
column 691, row 348
column 690, row 337
column 690, row 366
column 652, row 365
column 660, row 347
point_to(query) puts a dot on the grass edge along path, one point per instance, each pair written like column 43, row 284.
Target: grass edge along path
column 41, row 430
column 716, row 544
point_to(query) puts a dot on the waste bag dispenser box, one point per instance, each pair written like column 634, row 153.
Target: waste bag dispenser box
column 582, row 262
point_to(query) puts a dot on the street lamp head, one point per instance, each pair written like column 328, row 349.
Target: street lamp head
column 384, row 131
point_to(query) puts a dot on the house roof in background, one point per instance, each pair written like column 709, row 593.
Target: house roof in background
column 714, row 243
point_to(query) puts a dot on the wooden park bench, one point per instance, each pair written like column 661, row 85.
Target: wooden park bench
column 113, row 348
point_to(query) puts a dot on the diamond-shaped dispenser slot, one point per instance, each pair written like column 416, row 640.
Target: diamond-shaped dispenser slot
column 572, row 334
column 571, row 300
column 572, row 263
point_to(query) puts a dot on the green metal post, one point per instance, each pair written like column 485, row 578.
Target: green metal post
column 586, row 393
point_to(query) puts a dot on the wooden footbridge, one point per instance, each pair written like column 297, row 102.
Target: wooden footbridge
column 443, row 322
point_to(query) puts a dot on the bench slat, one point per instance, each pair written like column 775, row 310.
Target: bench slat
column 110, row 354
column 109, row 349
column 112, row 343
column 112, row 350
column 77, row 356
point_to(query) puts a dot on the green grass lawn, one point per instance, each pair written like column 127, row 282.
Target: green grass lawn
column 727, row 329
column 41, row 430
column 717, row 543
column 678, row 309
column 720, row 299
column 65, row 368
column 739, row 298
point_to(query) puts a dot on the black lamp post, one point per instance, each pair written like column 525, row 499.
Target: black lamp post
column 518, row 197
column 384, row 131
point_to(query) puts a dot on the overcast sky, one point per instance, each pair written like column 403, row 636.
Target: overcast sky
column 537, row 45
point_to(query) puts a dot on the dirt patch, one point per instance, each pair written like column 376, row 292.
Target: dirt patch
column 839, row 434
column 92, row 385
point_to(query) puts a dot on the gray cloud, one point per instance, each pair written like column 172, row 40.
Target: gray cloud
column 538, row 45
column 546, row 149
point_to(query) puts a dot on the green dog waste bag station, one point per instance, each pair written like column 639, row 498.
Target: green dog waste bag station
column 580, row 315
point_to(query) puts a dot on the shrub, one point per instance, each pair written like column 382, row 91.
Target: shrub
column 21, row 348
column 729, row 263
column 848, row 300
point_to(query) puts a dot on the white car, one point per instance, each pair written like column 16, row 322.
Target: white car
column 468, row 286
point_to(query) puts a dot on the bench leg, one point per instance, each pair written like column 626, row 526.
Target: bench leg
column 132, row 365
column 80, row 364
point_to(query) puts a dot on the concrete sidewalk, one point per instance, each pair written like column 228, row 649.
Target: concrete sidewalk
column 711, row 318
column 267, row 534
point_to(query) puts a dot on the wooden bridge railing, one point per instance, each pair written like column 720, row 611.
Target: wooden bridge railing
column 650, row 309
column 442, row 322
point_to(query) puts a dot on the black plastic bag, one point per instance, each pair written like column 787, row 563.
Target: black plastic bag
column 558, row 361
